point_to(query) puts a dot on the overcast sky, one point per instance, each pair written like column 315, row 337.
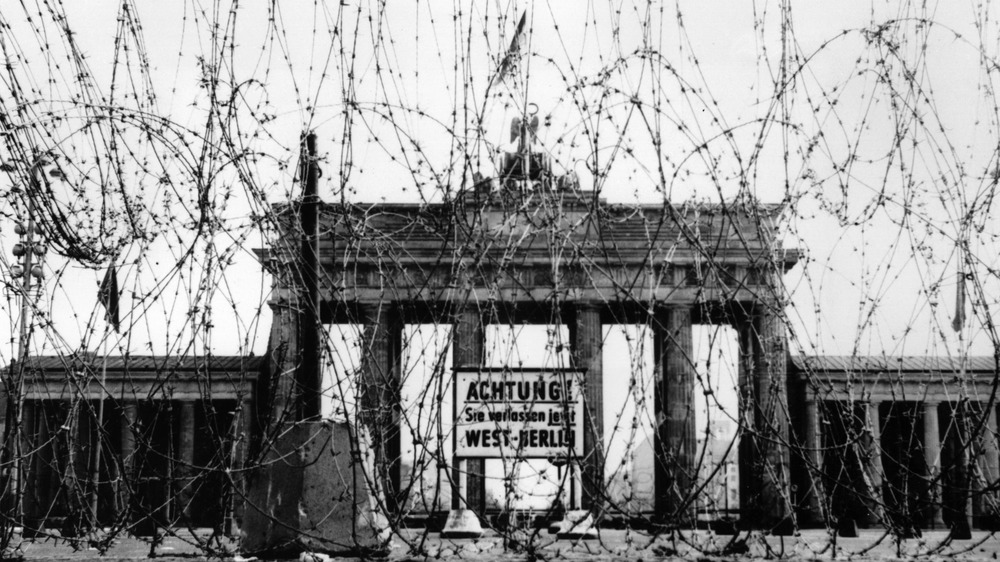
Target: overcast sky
column 878, row 219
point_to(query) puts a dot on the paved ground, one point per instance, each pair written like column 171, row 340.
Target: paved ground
column 611, row 545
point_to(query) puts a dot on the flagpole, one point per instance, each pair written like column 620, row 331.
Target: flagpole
column 963, row 463
column 525, row 130
column 96, row 468
column 108, row 296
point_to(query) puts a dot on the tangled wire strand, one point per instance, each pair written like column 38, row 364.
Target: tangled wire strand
column 850, row 160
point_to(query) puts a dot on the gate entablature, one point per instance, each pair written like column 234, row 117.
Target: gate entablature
column 566, row 246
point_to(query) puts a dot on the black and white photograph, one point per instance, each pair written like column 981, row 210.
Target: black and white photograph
column 470, row 280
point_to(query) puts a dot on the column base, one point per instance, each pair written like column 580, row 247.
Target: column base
column 577, row 525
column 780, row 528
column 935, row 522
column 667, row 523
column 33, row 528
column 311, row 496
column 847, row 527
column 462, row 524
column 990, row 522
column 811, row 520
column 873, row 518
column 961, row 530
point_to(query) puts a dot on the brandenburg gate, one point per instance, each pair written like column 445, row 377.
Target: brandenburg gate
column 530, row 246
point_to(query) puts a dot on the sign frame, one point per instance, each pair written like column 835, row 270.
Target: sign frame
column 569, row 455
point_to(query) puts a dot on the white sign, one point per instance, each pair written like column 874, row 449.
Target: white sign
column 523, row 414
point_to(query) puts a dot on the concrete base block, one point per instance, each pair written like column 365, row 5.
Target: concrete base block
column 847, row 527
column 960, row 529
column 310, row 496
column 462, row 524
column 315, row 557
column 577, row 525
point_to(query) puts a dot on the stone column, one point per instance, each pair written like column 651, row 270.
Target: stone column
column 748, row 459
column 957, row 498
column 765, row 497
column 185, row 468
column 873, row 471
column 991, row 468
column 932, row 458
column 4, row 408
column 130, row 416
column 29, row 468
column 588, row 350
column 46, row 457
column 244, row 431
column 813, row 509
column 468, row 505
column 977, row 458
column 467, row 352
column 675, row 441
column 380, row 395
column 72, row 433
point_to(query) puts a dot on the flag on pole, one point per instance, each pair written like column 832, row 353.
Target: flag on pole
column 959, row 320
column 108, row 295
column 510, row 60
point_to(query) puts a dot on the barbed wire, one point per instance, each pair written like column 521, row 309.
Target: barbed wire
column 768, row 210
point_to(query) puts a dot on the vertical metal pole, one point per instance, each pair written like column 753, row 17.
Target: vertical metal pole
column 16, row 393
column 310, row 382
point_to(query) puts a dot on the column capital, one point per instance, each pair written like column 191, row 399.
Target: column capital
column 365, row 308
column 470, row 308
column 281, row 300
column 660, row 306
column 384, row 313
column 767, row 306
column 588, row 305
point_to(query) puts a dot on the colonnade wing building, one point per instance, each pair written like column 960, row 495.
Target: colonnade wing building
column 877, row 440
column 903, row 442
column 516, row 251
column 136, row 441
